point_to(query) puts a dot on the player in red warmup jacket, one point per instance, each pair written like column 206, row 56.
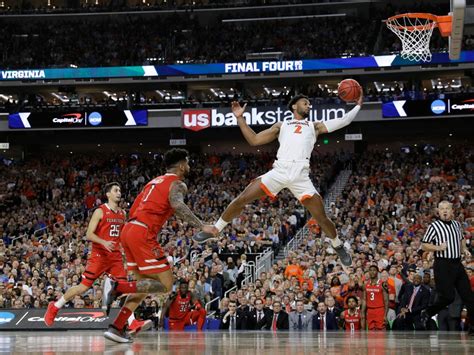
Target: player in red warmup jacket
column 351, row 316
column 375, row 301
column 106, row 257
column 184, row 309
column 159, row 200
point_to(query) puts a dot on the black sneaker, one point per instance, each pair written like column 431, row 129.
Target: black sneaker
column 203, row 237
column 345, row 257
column 109, row 294
column 118, row 336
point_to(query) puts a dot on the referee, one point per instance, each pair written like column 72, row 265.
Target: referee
column 445, row 238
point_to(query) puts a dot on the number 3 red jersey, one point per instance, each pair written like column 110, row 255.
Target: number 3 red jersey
column 109, row 228
column 180, row 306
column 374, row 295
column 152, row 206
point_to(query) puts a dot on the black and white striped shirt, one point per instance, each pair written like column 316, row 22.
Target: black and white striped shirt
column 449, row 232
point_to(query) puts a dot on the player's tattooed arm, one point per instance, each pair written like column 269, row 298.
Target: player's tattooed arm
column 176, row 198
column 150, row 286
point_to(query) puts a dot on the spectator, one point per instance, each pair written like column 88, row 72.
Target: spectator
column 414, row 300
column 301, row 319
column 323, row 320
column 277, row 319
column 233, row 319
column 257, row 318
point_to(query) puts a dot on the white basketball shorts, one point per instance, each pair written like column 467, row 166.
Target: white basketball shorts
column 291, row 175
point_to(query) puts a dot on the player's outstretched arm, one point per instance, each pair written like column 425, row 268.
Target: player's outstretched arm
column 338, row 123
column 176, row 198
column 264, row 137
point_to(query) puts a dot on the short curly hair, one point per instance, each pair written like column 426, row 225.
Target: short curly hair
column 174, row 156
column 295, row 99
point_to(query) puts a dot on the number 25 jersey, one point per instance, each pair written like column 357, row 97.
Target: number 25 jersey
column 109, row 228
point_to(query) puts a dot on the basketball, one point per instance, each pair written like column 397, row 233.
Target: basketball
column 349, row 90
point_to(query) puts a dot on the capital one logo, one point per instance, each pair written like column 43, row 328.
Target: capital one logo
column 196, row 120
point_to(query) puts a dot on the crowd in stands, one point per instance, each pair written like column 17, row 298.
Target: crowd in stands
column 85, row 6
column 44, row 213
column 185, row 38
column 381, row 215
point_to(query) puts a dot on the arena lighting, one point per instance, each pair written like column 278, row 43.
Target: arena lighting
column 62, row 98
column 273, row 18
column 112, row 96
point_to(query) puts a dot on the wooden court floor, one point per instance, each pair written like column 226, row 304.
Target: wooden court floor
column 251, row 343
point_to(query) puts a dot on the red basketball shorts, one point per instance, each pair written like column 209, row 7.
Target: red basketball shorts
column 144, row 254
column 376, row 318
column 98, row 264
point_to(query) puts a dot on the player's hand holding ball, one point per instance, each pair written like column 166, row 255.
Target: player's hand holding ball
column 350, row 90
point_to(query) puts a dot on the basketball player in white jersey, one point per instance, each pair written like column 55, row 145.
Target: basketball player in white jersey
column 291, row 168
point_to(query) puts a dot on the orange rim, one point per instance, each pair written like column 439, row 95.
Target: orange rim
column 443, row 22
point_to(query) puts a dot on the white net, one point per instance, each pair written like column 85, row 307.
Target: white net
column 415, row 34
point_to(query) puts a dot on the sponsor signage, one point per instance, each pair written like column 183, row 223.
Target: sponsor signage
column 353, row 137
column 228, row 68
column 199, row 119
column 103, row 118
column 175, row 142
column 67, row 318
column 438, row 107
column 4, row 145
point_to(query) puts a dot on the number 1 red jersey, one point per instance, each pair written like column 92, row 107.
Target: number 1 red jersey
column 374, row 295
column 152, row 206
column 109, row 228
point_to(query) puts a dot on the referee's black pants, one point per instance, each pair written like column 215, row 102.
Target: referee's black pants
column 449, row 274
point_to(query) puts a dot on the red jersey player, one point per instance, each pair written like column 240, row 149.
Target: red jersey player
column 351, row 316
column 184, row 309
column 159, row 199
column 106, row 257
column 375, row 301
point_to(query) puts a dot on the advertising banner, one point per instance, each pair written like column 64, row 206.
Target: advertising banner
column 439, row 107
column 228, row 68
column 199, row 119
column 71, row 120
column 67, row 318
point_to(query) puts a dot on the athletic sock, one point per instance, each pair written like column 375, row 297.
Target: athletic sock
column 60, row 303
column 126, row 287
column 122, row 318
column 220, row 224
column 131, row 318
column 336, row 242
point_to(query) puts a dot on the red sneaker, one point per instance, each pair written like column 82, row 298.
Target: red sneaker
column 139, row 325
column 50, row 314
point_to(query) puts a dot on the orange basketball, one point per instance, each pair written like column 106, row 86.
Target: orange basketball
column 349, row 90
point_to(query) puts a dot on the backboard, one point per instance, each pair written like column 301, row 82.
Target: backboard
column 458, row 8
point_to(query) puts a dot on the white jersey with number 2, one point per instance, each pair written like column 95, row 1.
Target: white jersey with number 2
column 297, row 139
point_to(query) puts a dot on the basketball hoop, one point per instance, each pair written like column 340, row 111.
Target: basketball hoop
column 415, row 30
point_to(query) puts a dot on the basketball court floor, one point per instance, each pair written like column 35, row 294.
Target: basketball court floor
column 252, row 343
